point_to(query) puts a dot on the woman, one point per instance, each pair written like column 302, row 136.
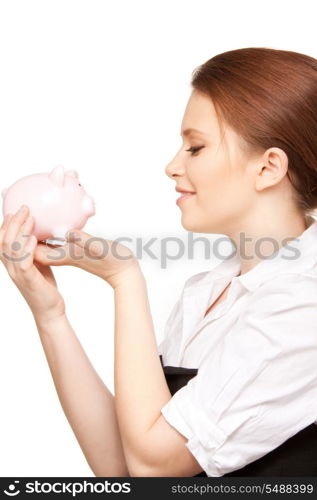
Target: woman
column 238, row 386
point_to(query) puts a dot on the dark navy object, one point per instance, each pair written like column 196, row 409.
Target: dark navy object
column 297, row 456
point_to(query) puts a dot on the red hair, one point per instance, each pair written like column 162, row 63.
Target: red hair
column 269, row 97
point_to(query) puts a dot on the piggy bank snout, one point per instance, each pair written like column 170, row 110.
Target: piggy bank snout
column 88, row 205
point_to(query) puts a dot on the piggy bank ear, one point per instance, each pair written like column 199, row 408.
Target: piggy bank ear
column 72, row 173
column 57, row 175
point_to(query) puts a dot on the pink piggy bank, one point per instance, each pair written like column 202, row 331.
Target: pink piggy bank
column 57, row 201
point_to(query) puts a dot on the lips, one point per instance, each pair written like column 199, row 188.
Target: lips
column 179, row 190
column 184, row 196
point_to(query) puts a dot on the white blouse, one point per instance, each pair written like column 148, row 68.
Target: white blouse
column 256, row 354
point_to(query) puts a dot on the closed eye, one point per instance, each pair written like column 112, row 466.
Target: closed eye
column 194, row 150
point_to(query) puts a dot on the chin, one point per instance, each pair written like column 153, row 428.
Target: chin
column 193, row 226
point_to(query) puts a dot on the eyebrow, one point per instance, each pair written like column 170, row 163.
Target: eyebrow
column 188, row 131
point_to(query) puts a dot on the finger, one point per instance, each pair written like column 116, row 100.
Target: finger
column 5, row 221
column 13, row 227
column 4, row 226
column 78, row 237
column 18, row 252
column 91, row 244
column 28, row 255
column 50, row 256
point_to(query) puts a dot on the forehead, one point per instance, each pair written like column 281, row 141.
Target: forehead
column 200, row 115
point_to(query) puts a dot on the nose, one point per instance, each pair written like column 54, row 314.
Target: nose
column 174, row 169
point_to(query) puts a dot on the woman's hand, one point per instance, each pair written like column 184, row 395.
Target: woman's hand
column 35, row 282
column 107, row 259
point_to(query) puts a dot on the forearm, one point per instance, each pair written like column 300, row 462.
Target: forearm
column 140, row 386
column 85, row 399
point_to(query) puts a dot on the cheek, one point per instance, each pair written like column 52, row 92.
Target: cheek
column 220, row 193
column 200, row 175
column 210, row 182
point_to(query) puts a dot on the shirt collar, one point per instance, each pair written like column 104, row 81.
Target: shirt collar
column 296, row 255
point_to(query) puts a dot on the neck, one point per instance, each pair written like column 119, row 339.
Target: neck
column 256, row 241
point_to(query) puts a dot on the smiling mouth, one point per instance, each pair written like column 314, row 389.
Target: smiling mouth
column 184, row 196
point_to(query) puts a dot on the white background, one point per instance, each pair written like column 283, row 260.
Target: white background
column 101, row 87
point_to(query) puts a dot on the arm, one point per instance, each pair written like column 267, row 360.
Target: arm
column 150, row 443
column 85, row 399
column 87, row 403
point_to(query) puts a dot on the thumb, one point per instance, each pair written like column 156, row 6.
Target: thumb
column 87, row 243
column 49, row 256
column 80, row 238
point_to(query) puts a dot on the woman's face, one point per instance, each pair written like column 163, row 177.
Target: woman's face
column 217, row 173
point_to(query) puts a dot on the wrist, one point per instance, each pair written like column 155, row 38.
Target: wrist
column 50, row 320
column 127, row 277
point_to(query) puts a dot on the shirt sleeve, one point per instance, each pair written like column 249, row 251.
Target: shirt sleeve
column 259, row 385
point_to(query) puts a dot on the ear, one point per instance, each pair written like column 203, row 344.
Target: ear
column 273, row 167
column 72, row 173
column 57, row 175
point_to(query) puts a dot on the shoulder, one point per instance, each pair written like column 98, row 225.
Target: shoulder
column 283, row 305
column 299, row 287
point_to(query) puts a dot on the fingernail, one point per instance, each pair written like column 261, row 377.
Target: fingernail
column 22, row 208
column 70, row 235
